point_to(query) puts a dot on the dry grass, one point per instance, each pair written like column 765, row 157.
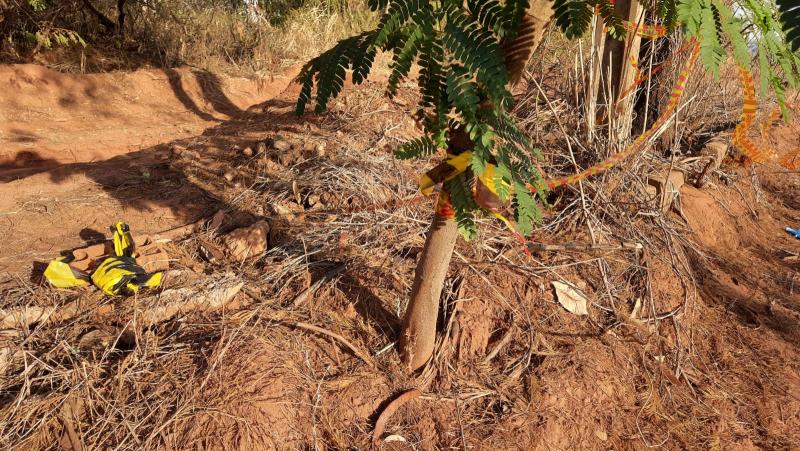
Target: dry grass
column 207, row 34
column 512, row 369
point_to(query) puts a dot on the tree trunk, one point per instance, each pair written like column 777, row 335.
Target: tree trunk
column 419, row 324
column 614, row 73
column 121, row 17
column 418, row 336
column 519, row 50
column 107, row 23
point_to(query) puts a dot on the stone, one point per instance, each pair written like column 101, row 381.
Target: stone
column 248, row 152
column 177, row 149
column 154, row 262
column 228, row 176
column 261, row 148
column 247, row 242
column 717, row 149
column 289, row 211
column 320, row 149
column 314, row 201
column 665, row 189
column 282, row 145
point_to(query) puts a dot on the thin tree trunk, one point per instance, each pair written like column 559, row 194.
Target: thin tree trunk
column 107, row 23
column 121, row 17
column 419, row 324
column 418, row 336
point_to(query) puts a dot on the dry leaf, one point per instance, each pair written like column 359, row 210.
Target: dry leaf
column 395, row 438
column 570, row 298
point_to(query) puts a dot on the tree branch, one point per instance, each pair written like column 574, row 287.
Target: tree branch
column 104, row 20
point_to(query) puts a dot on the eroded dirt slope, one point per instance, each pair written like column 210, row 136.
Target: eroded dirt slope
column 78, row 152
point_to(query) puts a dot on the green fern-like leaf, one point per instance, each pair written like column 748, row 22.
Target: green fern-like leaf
column 480, row 53
column 433, row 86
column 462, row 93
column 403, row 59
column 528, row 212
column 503, row 19
column 611, row 19
column 398, row 14
column 328, row 70
column 464, row 205
column 690, row 13
column 732, row 28
column 416, row 148
column 711, row 51
column 503, row 180
column 667, row 10
column 573, row 16
column 790, row 21
column 378, row 5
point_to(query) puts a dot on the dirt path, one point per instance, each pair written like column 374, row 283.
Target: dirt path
column 72, row 148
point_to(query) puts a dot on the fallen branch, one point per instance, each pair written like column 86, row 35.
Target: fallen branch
column 357, row 352
column 400, row 401
column 24, row 317
column 540, row 247
column 503, row 341
column 189, row 300
column 158, row 308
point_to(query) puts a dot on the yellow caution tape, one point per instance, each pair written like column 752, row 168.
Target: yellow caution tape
column 123, row 242
column 122, row 275
column 118, row 274
column 61, row 275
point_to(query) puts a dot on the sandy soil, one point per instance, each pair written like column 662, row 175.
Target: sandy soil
column 72, row 146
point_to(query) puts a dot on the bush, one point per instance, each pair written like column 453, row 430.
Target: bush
column 231, row 35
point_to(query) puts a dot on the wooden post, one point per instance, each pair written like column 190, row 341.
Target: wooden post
column 613, row 74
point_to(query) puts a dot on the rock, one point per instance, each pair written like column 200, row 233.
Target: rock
column 228, row 176
column 248, row 152
column 665, row 189
column 247, row 242
column 289, row 211
column 154, row 262
column 282, row 145
column 261, row 148
column 290, row 158
column 271, row 166
column 314, row 201
column 717, row 149
column 320, row 149
column 187, row 154
column 216, row 221
column 210, row 251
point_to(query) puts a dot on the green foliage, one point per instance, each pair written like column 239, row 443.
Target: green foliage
column 463, row 77
column 38, row 5
column 790, row 19
column 416, row 148
column 575, row 16
column 329, row 69
column 464, row 205
column 720, row 32
column 502, row 19
column 463, row 84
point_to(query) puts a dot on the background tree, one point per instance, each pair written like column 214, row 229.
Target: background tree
column 469, row 52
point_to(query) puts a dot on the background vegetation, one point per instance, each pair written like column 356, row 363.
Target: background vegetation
column 230, row 35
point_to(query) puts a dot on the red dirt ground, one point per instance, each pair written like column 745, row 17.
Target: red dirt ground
column 80, row 152
column 70, row 145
